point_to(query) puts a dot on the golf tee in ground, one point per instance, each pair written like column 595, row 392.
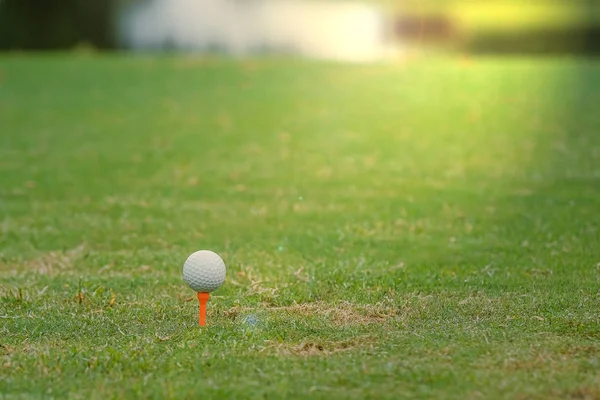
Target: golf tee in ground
column 203, row 299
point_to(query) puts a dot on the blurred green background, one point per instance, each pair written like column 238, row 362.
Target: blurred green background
column 507, row 26
column 475, row 26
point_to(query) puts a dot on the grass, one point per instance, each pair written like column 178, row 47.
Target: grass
column 419, row 230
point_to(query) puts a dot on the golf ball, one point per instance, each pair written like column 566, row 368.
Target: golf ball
column 204, row 271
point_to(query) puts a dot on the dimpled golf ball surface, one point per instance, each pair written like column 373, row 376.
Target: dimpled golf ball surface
column 204, row 271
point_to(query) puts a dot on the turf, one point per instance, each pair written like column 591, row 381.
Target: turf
column 427, row 229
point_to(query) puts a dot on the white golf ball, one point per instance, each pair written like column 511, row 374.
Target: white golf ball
column 204, row 271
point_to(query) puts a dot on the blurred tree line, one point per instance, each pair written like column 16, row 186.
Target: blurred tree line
column 484, row 26
column 56, row 24
column 502, row 26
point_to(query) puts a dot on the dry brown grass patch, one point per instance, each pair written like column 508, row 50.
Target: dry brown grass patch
column 48, row 263
column 548, row 359
column 315, row 348
column 340, row 314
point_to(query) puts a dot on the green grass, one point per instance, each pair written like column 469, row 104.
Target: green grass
column 418, row 230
